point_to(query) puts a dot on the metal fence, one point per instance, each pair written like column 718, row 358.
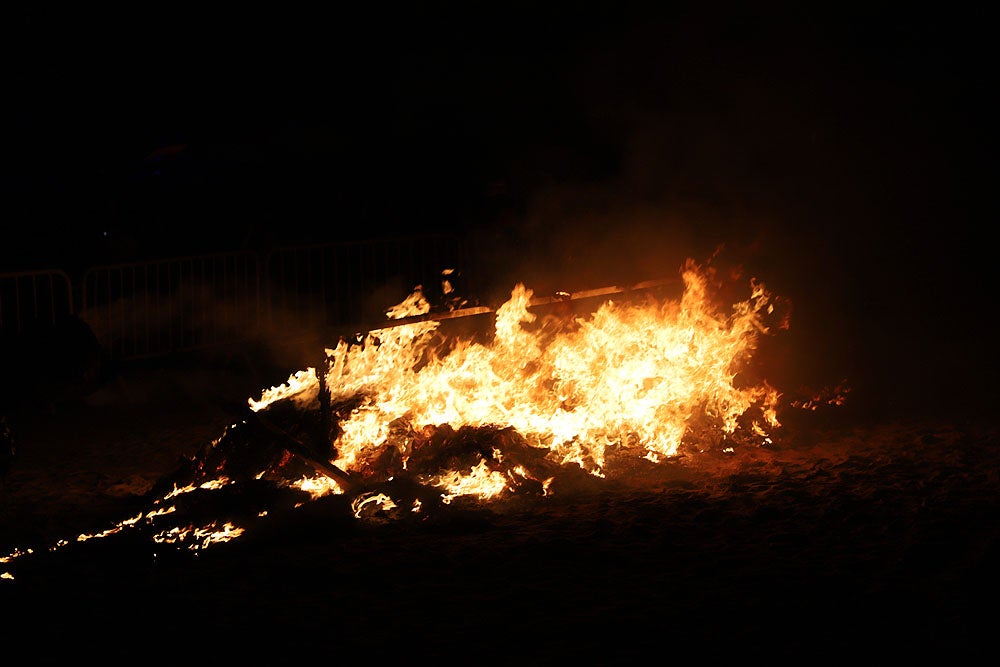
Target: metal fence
column 294, row 295
column 348, row 285
column 183, row 304
column 30, row 300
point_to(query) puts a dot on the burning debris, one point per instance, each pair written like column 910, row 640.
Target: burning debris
column 406, row 419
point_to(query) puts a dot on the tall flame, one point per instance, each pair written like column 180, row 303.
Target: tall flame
column 633, row 376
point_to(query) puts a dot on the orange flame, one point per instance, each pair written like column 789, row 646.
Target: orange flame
column 631, row 376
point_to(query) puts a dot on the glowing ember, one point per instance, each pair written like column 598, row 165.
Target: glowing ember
column 317, row 487
column 199, row 538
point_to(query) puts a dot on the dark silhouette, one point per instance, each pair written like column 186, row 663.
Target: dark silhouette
column 49, row 364
column 8, row 452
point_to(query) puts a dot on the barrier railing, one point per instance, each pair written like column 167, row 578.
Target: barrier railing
column 182, row 304
column 317, row 289
column 33, row 299
column 295, row 295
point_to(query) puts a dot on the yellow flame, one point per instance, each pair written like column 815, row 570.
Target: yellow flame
column 293, row 389
column 631, row 376
column 481, row 482
column 199, row 538
column 378, row 501
column 317, row 487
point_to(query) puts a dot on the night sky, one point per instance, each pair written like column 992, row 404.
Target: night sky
column 841, row 154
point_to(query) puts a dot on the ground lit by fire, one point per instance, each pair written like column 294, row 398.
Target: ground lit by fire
column 407, row 418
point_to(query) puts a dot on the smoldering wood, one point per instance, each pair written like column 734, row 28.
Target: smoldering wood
column 305, row 453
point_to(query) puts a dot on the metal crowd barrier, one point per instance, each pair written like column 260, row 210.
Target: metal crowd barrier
column 34, row 299
column 296, row 295
column 320, row 290
column 173, row 305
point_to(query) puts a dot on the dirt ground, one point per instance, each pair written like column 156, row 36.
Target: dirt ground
column 845, row 538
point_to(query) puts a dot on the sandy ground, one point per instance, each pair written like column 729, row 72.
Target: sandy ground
column 844, row 539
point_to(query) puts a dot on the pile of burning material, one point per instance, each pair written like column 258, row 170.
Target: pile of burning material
column 560, row 396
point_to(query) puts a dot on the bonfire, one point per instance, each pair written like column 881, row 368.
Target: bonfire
column 562, row 392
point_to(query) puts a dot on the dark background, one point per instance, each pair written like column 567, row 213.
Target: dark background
column 842, row 155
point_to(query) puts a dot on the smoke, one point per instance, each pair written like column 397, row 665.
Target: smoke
column 668, row 135
column 731, row 139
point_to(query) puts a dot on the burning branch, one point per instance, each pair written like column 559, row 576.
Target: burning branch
column 303, row 452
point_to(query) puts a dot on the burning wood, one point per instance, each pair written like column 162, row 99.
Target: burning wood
column 303, row 451
column 535, row 301
column 633, row 377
